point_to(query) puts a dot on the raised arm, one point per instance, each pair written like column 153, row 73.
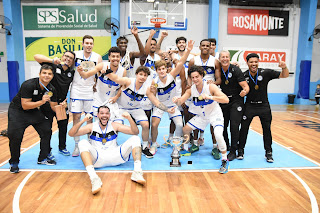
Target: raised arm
column 133, row 55
column 183, row 59
column 119, row 80
column 44, row 59
column 130, row 130
column 77, row 131
column 285, row 70
column 148, row 44
column 216, row 95
column 162, row 37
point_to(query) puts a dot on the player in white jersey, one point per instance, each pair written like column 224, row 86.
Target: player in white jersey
column 81, row 94
column 205, row 105
column 213, row 46
column 107, row 90
column 166, row 90
column 128, row 58
column 103, row 150
column 132, row 92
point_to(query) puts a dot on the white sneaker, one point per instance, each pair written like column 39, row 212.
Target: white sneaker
column 153, row 149
column 96, row 185
column 76, row 151
column 138, row 177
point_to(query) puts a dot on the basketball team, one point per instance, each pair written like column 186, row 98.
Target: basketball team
column 193, row 90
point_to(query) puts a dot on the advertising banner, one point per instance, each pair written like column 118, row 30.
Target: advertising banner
column 65, row 17
column 56, row 46
column 258, row 22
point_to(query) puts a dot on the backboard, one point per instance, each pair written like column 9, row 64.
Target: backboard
column 158, row 14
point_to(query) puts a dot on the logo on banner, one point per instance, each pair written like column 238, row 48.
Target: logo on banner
column 48, row 15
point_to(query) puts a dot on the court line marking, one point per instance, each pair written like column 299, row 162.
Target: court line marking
column 305, row 115
column 16, row 198
column 313, row 200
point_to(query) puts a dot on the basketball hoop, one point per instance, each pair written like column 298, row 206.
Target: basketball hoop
column 158, row 21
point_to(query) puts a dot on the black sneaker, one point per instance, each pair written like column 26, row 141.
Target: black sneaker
column 14, row 168
column 231, row 156
column 47, row 162
column 146, row 152
column 240, row 154
column 269, row 157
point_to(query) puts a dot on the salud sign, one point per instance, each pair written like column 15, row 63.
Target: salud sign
column 65, row 17
column 258, row 22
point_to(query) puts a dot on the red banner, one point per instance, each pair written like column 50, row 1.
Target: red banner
column 267, row 57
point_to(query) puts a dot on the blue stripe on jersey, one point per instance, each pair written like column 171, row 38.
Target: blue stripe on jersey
column 133, row 95
column 164, row 91
column 202, row 102
column 100, row 139
column 209, row 70
column 108, row 81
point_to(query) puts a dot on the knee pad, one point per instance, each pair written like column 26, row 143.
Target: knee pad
column 84, row 146
column 218, row 134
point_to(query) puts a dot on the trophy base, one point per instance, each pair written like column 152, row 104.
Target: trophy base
column 175, row 163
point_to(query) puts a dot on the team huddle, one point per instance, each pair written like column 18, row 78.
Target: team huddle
column 194, row 90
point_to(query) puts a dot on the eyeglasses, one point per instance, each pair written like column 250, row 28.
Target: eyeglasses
column 71, row 58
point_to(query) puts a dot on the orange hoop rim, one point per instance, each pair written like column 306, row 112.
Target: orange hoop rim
column 154, row 20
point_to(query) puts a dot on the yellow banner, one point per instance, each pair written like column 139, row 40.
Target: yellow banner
column 56, row 46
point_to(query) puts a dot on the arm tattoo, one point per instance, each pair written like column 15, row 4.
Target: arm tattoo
column 162, row 107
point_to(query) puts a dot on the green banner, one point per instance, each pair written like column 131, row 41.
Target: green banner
column 65, row 17
column 56, row 46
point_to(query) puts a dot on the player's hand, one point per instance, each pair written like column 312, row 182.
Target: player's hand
column 172, row 109
column 243, row 93
column 206, row 97
column 190, row 44
column 164, row 34
column 152, row 32
column 112, row 100
column 282, row 64
column 134, row 30
column 126, row 115
column 79, row 69
column 175, row 99
column 56, row 60
column 88, row 117
column 235, row 63
column 153, row 88
column 45, row 98
column 64, row 103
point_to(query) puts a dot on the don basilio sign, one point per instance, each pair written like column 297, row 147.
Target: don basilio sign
column 65, row 17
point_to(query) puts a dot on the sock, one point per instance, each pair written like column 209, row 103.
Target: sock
column 224, row 156
column 170, row 136
column 215, row 145
column 144, row 144
column 76, row 140
column 195, row 142
column 201, row 135
column 91, row 172
column 185, row 146
column 137, row 165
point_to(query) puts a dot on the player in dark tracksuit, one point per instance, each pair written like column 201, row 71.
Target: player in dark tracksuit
column 234, row 85
column 257, row 103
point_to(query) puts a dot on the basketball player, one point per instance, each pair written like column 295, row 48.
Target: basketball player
column 128, row 58
column 63, row 73
column 35, row 97
column 205, row 98
column 81, row 94
column 257, row 103
column 103, row 150
column 235, row 87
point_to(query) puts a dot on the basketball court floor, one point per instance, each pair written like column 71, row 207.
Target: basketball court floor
column 291, row 183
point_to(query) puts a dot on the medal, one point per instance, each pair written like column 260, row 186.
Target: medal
column 104, row 141
column 200, row 97
column 155, row 85
column 256, row 87
column 49, row 93
column 152, row 67
column 226, row 82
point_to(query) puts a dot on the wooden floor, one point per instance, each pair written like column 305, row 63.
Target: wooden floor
column 270, row 190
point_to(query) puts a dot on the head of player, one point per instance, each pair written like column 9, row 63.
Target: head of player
column 114, row 56
column 196, row 73
column 142, row 74
column 161, row 68
column 87, row 44
column 153, row 45
column 253, row 62
column 213, row 45
column 103, row 115
column 122, row 43
column 46, row 74
column 68, row 58
column 181, row 43
column 204, row 47
column 224, row 58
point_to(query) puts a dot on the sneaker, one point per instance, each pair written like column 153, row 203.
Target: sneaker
column 166, row 144
column 269, row 157
column 184, row 152
column 156, row 144
column 194, row 148
column 153, row 149
column 232, row 155
column 96, row 185
column 51, row 156
column 224, row 167
column 65, row 152
column 146, row 152
column 14, row 168
column 201, row 141
column 137, row 176
column 47, row 162
column 240, row 154
column 76, row 151
column 216, row 154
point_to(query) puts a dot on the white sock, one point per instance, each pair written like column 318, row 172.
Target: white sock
column 195, row 142
column 224, row 156
column 144, row 144
column 186, row 146
column 201, row 135
column 91, row 172
column 215, row 145
column 76, row 140
column 170, row 136
column 137, row 165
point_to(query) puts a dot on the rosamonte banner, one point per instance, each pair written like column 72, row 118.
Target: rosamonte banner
column 258, row 22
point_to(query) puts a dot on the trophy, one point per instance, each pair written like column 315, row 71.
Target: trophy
column 87, row 65
column 175, row 155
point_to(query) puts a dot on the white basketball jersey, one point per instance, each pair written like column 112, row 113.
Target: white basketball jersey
column 126, row 64
column 150, row 62
column 186, row 65
column 103, row 139
column 209, row 66
column 106, row 88
column 166, row 91
column 201, row 107
column 130, row 97
column 82, row 89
